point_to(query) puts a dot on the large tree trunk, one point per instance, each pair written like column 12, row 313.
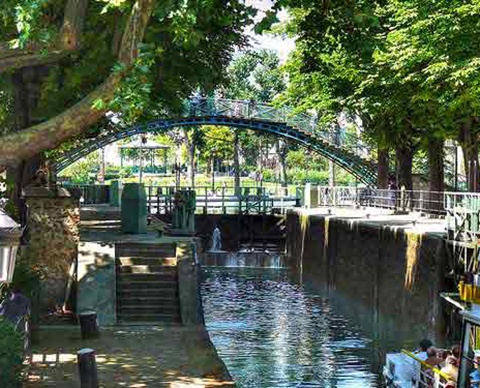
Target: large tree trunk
column 26, row 82
column 74, row 121
column 436, row 174
column 404, row 156
column 436, row 165
column 469, row 143
column 236, row 161
column 382, row 168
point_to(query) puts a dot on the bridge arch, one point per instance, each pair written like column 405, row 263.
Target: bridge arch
column 239, row 114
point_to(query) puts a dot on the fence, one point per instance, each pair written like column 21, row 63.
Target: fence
column 223, row 200
column 423, row 201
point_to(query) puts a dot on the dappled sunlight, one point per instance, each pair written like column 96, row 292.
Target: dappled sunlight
column 129, row 357
column 412, row 255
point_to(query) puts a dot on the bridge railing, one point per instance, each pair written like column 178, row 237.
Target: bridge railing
column 254, row 110
column 423, row 201
column 256, row 200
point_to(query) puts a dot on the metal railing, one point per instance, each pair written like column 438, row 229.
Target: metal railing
column 463, row 212
column 259, row 111
column 224, row 200
column 90, row 194
column 423, row 201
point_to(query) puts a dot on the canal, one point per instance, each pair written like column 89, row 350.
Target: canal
column 272, row 331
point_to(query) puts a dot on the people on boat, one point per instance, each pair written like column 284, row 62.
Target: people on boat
column 451, row 369
column 434, row 358
column 435, row 361
column 422, row 352
column 475, row 375
column 422, row 355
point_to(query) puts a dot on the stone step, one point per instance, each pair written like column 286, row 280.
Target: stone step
column 146, row 269
column 145, row 290
column 164, row 317
column 130, row 249
column 148, row 278
column 132, row 291
column 133, row 310
column 133, row 260
column 150, row 286
column 129, row 300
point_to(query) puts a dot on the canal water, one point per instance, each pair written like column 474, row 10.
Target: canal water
column 272, row 331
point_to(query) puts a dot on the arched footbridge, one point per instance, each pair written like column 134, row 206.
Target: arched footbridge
column 345, row 150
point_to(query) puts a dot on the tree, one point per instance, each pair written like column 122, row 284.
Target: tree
column 254, row 76
column 62, row 66
column 333, row 59
column 434, row 48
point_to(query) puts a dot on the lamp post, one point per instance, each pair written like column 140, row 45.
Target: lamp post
column 10, row 233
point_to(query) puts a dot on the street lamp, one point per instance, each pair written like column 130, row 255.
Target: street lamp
column 10, row 233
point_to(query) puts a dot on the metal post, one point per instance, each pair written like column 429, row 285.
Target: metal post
column 455, row 173
column 213, row 173
column 140, row 172
column 103, row 165
column 224, row 210
column 205, row 209
column 87, row 368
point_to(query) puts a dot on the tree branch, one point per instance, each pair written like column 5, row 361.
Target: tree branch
column 70, row 34
column 73, row 121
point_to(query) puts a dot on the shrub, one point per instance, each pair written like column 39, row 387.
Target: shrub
column 268, row 175
column 11, row 355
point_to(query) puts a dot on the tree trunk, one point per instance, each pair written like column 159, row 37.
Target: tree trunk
column 382, row 168
column 436, row 164
column 469, row 143
column 26, row 84
column 404, row 156
column 69, row 40
column 191, row 159
column 191, row 154
column 331, row 173
column 282, row 156
column 236, row 161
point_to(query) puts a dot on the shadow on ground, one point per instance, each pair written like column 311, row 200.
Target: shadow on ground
column 130, row 357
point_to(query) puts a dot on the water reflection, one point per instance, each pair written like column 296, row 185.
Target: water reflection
column 271, row 332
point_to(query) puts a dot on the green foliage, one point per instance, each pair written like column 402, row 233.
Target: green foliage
column 255, row 75
column 26, row 276
column 187, row 46
column 218, row 143
column 11, row 355
column 115, row 172
column 84, row 170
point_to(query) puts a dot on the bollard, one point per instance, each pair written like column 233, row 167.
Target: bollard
column 87, row 368
column 89, row 324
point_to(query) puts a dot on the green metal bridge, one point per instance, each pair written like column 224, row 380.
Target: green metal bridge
column 346, row 150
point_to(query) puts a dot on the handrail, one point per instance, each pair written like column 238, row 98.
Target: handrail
column 446, row 376
column 346, row 149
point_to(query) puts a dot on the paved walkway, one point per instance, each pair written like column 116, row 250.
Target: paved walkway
column 412, row 222
column 130, row 356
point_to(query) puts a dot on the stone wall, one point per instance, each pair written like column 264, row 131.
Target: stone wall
column 52, row 240
column 191, row 309
column 96, row 281
column 389, row 277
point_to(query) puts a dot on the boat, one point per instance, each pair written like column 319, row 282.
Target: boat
column 406, row 370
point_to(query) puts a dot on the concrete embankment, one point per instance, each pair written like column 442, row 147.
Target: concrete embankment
column 389, row 269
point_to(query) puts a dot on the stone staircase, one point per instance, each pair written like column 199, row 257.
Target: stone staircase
column 147, row 284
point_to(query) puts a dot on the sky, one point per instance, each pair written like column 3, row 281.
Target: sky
column 282, row 46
